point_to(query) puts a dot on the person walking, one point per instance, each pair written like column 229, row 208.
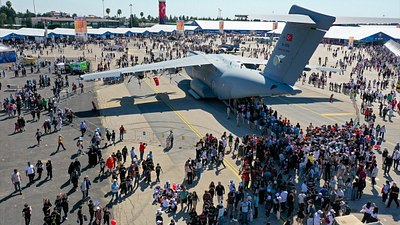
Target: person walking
column 106, row 216
column 171, row 139
column 142, row 148
column 39, row 169
column 245, row 208
column 122, row 131
column 114, row 190
column 158, row 171
column 27, row 213
column 85, row 186
column 38, row 136
column 124, row 152
column 30, row 172
column 385, row 191
column 393, row 195
column 80, row 216
column 220, row 190
column 374, row 174
column 60, row 142
column 83, row 128
column 49, row 169
column 16, row 180
column 388, row 164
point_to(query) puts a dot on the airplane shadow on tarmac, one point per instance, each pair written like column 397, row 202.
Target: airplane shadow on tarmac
column 165, row 104
column 283, row 100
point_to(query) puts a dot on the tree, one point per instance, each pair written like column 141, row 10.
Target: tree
column 8, row 4
column 133, row 21
column 119, row 12
column 141, row 14
column 108, row 12
column 3, row 18
column 74, row 15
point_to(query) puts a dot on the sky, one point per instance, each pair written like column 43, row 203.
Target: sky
column 209, row 8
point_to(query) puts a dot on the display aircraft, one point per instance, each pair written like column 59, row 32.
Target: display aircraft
column 263, row 40
column 229, row 48
column 231, row 77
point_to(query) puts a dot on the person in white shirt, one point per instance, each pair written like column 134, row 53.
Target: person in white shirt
column 16, row 180
column 367, row 209
column 317, row 217
column 331, row 217
column 374, row 174
column 302, row 196
column 221, row 211
column 396, row 159
column 30, row 172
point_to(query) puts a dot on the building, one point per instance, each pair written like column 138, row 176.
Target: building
column 64, row 22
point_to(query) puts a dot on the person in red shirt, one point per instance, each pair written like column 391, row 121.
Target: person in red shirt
column 110, row 163
column 142, row 147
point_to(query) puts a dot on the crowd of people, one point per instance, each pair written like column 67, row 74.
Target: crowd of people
column 333, row 163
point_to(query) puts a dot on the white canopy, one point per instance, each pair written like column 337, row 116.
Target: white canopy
column 393, row 47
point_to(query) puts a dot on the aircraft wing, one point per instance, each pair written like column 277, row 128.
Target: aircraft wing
column 324, row 69
column 194, row 60
column 253, row 61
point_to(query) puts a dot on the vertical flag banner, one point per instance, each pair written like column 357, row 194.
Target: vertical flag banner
column 221, row 27
column 162, row 11
column 351, row 41
column 80, row 24
column 180, row 26
column 274, row 25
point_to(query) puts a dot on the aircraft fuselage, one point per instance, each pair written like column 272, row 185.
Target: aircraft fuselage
column 228, row 79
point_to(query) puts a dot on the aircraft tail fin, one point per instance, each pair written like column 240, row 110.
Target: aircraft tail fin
column 296, row 45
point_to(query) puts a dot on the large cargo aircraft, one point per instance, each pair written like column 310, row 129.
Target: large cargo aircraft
column 230, row 77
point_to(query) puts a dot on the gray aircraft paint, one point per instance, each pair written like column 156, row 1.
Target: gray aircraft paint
column 225, row 77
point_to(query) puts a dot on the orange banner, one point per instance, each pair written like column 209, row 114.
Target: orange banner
column 80, row 25
column 180, row 26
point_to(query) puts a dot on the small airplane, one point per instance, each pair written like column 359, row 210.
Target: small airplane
column 263, row 40
column 230, row 48
column 226, row 76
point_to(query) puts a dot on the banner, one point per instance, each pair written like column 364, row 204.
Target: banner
column 162, row 11
column 221, row 27
column 274, row 25
column 80, row 24
column 180, row 26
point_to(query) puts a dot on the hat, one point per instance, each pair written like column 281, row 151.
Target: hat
column 332, row 211
column 115, row 180
column 320, row 212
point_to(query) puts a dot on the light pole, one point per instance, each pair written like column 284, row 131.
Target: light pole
column 131, row 16
column 34, row 7
column 103, row 8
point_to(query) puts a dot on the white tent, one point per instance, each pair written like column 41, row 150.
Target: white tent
column 30, row 32
column 5, row 32
column 393, row 47
column 62, row 32
column 237, row 25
